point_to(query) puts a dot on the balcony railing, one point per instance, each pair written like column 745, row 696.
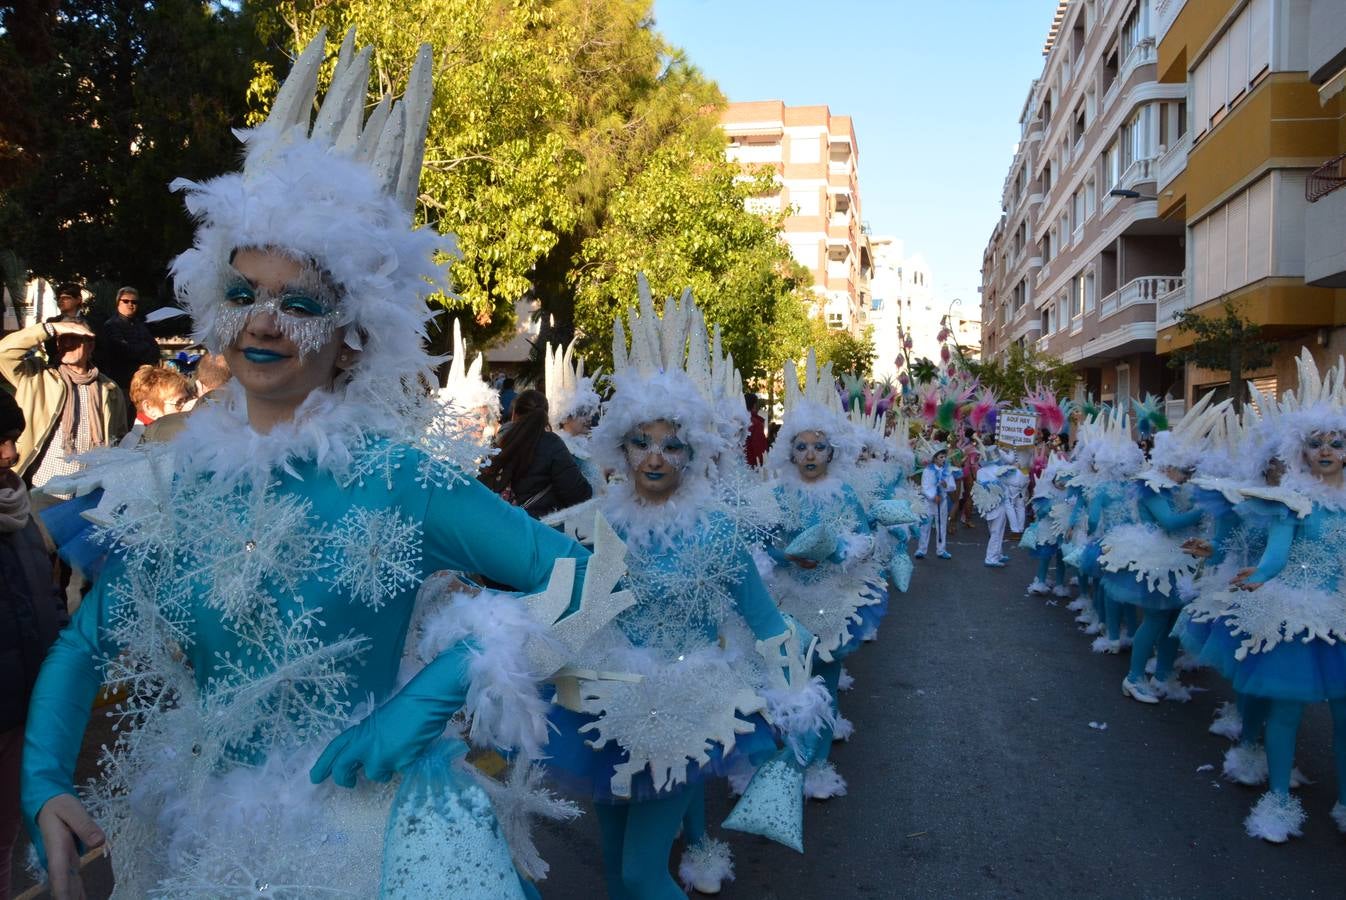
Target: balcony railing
column 1143, row 53
column 1171, row 304
column 1173, row 161
column 1139, row 170
column 1043, row 342
column 1138, row 291
column 1325, row 179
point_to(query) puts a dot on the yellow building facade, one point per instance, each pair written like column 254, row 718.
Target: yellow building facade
column 1254, row 176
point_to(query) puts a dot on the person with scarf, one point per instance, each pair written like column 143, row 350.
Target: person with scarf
column 69, row 406
column 32, row 611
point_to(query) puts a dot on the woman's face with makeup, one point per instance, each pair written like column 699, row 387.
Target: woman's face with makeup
column 284, row 344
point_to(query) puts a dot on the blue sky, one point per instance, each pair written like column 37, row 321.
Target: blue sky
column 934, row 87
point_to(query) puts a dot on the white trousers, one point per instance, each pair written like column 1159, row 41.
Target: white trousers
column 937, row 514
column 995, row 544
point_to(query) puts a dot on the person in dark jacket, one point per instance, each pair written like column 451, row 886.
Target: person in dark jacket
column 31, row 614
column 124, row 342
column 533, row 469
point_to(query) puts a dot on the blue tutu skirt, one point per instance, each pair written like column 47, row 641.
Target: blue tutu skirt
column 1124, row 587
column 586, row 773
column 73, row 534
column 1045, row 551
column 1307, row 673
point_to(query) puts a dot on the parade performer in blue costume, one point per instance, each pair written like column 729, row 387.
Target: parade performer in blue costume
column 572, row 404
column 1145, row 565
column 1113, row 458
column 263, row 566
column 827, row 576
column 1052, row 522
column 1279, row 632
column 714, row 663
column 939, row 481
column 1238, row 458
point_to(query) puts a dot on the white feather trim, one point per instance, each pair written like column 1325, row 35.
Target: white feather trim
column 822, row 781
column 503, row 702
column 705, row 864
column 800, row 711
column 1276, row 818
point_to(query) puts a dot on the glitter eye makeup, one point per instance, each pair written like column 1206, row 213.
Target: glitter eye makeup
column 639, row 448
column 306, row 310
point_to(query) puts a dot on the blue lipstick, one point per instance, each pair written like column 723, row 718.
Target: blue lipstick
column 258, row 355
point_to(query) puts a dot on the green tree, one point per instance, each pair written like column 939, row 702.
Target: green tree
column 1229, row 342
column 924, row 371
column 1022, row 369
column 118, row 99
column 847, row 353
column 682, row 222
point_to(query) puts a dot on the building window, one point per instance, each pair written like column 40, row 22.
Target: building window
column 1233, row 65
column 876, row 303
column 1232, row 246
column 835, row 320
column 1089, row 292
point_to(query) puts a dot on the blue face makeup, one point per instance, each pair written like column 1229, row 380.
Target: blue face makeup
column 305, row 310
column 639, row 447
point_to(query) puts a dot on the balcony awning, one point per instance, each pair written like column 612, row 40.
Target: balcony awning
column 1335, row 85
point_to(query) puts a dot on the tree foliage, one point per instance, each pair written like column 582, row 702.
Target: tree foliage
column 1226, row 343
column 1022, row 370
column 848, row 354
column 103, row 103
column 569, row 148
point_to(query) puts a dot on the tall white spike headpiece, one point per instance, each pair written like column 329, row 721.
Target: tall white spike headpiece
column 1183, row 445
column 814, row 406
column 664, row 373
column 1317, row 405
column 569, row 391
column 464, row 388
column 335, row 192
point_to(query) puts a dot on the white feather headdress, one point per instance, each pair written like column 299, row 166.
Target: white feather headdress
column 569, row 391
column 664, row 374
column 814, row 407
column 1109, row 446
column 337, row 191
column 464, row 387
column 1316, row 405
column 1184, row 445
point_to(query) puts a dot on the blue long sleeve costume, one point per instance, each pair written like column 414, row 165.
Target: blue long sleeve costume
column 638, row 834
column 462, row 526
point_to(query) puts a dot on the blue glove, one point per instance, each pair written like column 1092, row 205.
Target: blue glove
column 391, row 737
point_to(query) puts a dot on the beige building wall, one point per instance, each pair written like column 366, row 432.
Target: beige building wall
column 814, row 155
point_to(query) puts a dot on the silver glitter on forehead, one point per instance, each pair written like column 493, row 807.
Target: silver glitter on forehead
column 308, row 333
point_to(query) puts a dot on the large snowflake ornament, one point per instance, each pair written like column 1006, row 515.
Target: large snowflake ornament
column 1153, row 557
column 670, row 718
column 374, row 555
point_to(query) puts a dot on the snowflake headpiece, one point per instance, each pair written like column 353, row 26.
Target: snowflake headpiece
column 569, row 391
column 336, row 192
column 464, row 389
column 1317, row 404
column 1111, row 448
column 814, row 407
column 1184, row 445
column 726, row 386
column 665, row 374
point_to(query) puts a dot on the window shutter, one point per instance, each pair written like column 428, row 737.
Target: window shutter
column 1259, row 229
column 1237, row 241
column 1237, row 38
column 1218, row 60
column 1219, row 255
column 1259, row 37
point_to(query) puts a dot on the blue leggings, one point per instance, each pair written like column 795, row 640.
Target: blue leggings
column 637, row 841
column 831, row 672
column 1253, row 712
column 694, row 819
column 1282, row 727
column 1096, row 596
column 1044, row 564
column 1115, row 615
column 1154, row 631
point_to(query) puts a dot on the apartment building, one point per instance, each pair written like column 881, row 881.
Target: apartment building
column 1255, row 177
column 814, row 155
column 904, row 304
column 1081, row 256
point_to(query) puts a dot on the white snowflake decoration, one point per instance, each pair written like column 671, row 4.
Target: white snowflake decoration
column 374, row 555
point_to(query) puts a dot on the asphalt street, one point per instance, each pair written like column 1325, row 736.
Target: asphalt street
column 974, row 772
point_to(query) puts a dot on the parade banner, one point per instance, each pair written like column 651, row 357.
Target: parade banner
column 1016, row 428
